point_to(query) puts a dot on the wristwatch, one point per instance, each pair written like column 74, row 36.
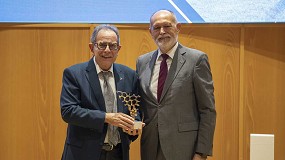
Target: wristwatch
column 202, row 155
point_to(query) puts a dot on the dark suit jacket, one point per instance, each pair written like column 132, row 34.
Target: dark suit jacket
column 184, row 119
column 83, row 108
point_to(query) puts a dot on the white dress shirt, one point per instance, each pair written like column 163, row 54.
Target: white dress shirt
column 155, row 74
column 111, row 81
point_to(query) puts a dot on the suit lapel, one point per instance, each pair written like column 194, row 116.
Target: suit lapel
column 119, row 81
column 92, row 77
column 148, row 74
column 177, row 63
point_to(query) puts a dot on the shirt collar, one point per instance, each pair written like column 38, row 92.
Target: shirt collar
column 98, row 69
column 170, row 53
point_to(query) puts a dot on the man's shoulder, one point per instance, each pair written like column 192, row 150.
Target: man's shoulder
column 192, row 52
column 147, row 55
column 123, row 67
column 78, row 66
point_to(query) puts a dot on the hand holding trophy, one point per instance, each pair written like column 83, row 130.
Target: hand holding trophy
column 132, row 102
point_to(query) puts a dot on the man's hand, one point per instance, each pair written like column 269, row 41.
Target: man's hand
column 134, row 132
column 121, row 120
column 198, row 157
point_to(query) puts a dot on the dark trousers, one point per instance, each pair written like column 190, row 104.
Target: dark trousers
column 115, row 154
column 160, row 155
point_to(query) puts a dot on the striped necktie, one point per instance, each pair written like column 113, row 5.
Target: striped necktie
column 109, row 98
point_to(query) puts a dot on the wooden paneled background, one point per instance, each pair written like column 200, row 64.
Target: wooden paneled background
column 247, row 61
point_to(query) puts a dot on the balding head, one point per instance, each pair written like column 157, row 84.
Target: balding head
column 163, row 14
column 164, row 29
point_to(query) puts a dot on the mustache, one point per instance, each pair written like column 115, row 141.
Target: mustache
column 109, row 56
column 162, row 37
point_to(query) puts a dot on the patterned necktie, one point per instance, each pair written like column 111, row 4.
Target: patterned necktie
column 162, row 75
column 109, row 98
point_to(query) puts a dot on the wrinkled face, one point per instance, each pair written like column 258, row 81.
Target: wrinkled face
column 105, row 49
column 164, row 30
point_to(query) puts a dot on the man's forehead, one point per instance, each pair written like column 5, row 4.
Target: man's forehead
column 162, row 18
column 109, row 41
column 106, row 32
column 106, row 35
column 162, row 21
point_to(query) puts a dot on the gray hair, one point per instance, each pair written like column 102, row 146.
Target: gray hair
column 104, row 27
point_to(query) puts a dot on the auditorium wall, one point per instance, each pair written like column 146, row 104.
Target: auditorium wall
column 247, row 62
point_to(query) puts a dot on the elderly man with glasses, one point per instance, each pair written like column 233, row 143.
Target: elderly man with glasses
column 99, row 125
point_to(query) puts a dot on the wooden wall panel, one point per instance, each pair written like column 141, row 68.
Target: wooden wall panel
column 222, row 46
column 264, row 85
column 32, row 61
column 135, row 40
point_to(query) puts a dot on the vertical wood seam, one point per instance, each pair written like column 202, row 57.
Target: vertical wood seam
column 91, row 28
column 241, row 95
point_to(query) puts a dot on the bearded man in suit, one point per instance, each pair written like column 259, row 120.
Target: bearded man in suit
column 177, row 94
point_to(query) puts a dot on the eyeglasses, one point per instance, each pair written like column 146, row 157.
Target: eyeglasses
column 103, row 46
column 158, row 28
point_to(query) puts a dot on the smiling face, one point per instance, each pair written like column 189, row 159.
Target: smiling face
column 103, row 49
column 164, row 30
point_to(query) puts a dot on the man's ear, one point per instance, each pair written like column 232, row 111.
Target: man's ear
column 119, row 47
column 178, row 26
column 91, row 47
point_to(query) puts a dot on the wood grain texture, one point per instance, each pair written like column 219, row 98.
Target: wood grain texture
column 33, row 57
column 134, row 41
column 264, row 85
column 222, row 46
column 32, row 61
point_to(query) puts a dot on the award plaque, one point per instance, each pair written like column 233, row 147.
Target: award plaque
column 132, row 102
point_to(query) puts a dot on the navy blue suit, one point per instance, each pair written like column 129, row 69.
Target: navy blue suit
column 83, row 108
